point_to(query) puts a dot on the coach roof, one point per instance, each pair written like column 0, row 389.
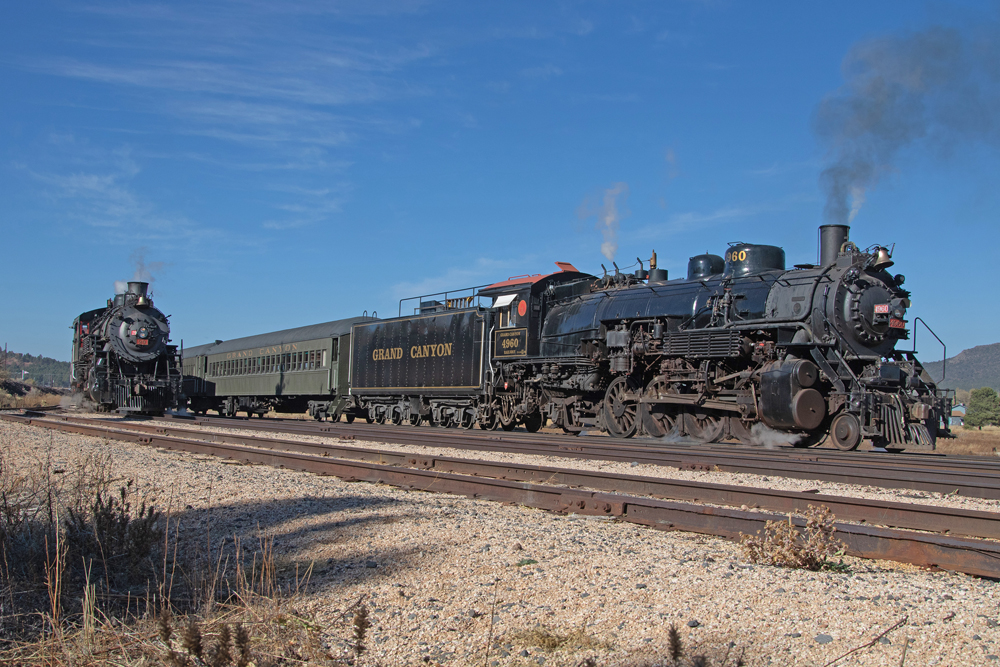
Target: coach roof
column 311, row 332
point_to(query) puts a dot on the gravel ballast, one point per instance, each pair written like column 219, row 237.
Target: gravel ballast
column 437, row 571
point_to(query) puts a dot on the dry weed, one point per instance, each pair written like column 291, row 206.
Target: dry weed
column 782, row 544
column 550, row 640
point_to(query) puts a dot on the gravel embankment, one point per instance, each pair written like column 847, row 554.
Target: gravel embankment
column 432, row 567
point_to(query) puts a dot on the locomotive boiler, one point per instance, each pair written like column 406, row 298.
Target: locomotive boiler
column 121, row 356
column 740, row 348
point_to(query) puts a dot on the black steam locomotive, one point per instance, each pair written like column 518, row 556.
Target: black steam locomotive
column 121, row 359
column 740, row 349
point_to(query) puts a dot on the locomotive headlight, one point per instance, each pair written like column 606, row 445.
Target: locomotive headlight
column 898, row 312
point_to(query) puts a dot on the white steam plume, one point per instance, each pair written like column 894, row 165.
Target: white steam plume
column 608, row 216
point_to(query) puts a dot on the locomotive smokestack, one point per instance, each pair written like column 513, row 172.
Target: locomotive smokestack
column 137, row 288
column 831, row 237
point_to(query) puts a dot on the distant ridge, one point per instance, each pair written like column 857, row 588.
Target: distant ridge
column 970, row 369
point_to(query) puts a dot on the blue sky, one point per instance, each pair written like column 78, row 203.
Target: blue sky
column 279, row 164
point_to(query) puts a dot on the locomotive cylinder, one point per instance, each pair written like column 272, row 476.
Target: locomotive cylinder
column 831, row 238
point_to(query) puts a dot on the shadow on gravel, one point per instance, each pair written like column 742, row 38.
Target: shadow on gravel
column 333, row 536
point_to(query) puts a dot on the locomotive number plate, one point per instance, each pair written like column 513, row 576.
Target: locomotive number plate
column 141, row 341
column 881, row 309
column 510, row 343
column 897, row 324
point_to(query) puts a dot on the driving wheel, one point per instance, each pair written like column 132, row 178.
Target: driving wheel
column 620, row 411
column 659, row 419
column 704, row 428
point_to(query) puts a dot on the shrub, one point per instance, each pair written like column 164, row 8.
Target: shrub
column 783, row 545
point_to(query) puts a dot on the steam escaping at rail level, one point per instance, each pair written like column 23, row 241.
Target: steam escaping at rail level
column 935, row 88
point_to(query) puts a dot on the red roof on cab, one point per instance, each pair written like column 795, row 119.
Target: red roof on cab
column 534, row 278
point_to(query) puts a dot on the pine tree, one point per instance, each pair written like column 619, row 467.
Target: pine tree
column 984, row 408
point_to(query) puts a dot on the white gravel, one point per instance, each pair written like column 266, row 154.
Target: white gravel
column 443, row 562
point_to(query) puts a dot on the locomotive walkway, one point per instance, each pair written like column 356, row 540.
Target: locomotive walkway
column 603, row 494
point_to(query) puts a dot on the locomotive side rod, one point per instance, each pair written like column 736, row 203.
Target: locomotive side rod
column 943, row 520
column 975, row 557
column 872, row 471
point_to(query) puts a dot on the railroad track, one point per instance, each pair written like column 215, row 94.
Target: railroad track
column 604, row 495
column 966, row 476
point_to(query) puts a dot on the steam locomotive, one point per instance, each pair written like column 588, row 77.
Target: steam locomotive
column 121, row 359
column 739, row 349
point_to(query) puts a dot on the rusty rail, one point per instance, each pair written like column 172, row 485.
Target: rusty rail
column 977, row 557
column 966, row 478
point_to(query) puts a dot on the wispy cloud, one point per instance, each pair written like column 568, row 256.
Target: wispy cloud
column 546, row 71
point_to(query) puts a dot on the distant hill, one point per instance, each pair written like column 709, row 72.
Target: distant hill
column 43, row 371
column 970, row 369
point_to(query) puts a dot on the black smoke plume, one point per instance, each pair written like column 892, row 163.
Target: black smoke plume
column 934, row 88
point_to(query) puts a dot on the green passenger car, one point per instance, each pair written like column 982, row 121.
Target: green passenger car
column 306, row 369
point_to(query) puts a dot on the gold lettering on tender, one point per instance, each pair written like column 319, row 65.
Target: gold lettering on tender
column 424, row 351
column 387, row 353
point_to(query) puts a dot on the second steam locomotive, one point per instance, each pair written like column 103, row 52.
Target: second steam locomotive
column 121, row 356
column 740, row 348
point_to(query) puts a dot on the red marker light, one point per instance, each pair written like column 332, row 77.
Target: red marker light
column 504, row 385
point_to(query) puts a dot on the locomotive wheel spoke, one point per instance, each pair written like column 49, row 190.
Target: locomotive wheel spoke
column 414, row 419
column 704, row 428
column 397, row 416
column 620, row 414
column 659, row 419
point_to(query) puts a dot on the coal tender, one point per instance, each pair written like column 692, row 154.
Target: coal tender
column 739, row 349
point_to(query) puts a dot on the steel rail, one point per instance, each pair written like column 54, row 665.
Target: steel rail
column 976, row 557
column 937, row 461
column 945, row 520
column 885, row 473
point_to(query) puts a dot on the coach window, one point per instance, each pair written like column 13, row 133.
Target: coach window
column 336, row 350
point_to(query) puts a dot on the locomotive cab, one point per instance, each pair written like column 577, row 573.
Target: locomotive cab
column 520, row 306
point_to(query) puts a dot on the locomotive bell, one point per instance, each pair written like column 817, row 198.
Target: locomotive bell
column 882, row 259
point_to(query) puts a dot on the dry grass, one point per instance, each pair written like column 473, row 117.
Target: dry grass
column 93, row 573
column 985, row 442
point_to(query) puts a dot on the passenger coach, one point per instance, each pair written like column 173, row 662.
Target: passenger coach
column 295, row 370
